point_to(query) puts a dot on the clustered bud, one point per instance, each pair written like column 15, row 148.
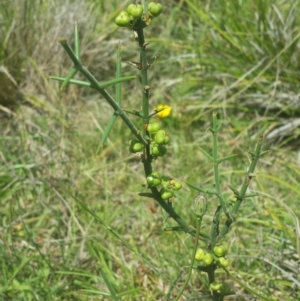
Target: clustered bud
column 217, row 257
column 158, row 139
column 135, row 12
column 209, row 258
column 135, row 146
column 168, row 185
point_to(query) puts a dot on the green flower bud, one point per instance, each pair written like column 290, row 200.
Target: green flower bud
column 223, row 262
column 220, row 250
column 215, row 286
column 158, row 150
column 208, row 259
column 160, row 137
column 154, row 179
column 156, row 174
column 166, row 193
column 122, row 19
column 135, row 10
column 199, row 254
column 153, row 127
column 200, row 205
column 135, row 146
column 167, row 139
column 175, row 185
column 154, row 9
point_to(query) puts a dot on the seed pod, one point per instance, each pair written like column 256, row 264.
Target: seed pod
column 158, row 150
column 135, row 146
column 167, row 139
column 175, row 184
column 200, row 205
column 160, row 137
column 215, row 286
column 166, row 193
column 199, row 254
column 135, row 10
column 153, row 127
column 122, row 19
column 154, row 179
column 220, row 250
column 208, row 259
column 223, row 262
column 154, row 9
column 156, row 174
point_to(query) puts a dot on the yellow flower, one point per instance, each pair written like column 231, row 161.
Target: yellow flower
column 164, row 113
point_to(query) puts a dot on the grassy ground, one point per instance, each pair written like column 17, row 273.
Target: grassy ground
column 240, row 58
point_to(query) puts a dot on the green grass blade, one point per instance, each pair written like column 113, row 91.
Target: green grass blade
column 109, row 285
column 246, row 287
column 18, row 270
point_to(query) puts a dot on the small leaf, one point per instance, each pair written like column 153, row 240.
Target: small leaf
column 264, row 152
column 134, row 112
column 226, row 158
column 206, row 154
column 250, row 195
column 236, row 193
column 207, row 191
column 147, row 194
column 68, row 78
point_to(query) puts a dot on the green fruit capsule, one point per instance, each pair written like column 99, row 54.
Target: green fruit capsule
column 155, row 174
column 215, row 286
column 135, row 10
column 153, row 127
column 155, row 9
column 160, row 137
column 122, row 19
column 158, row 150
column 199, row 254
column 208, row 259
column 175, row 184
column 166, row 194
column 167, row 139
column 223, row 262
column 135, row 146
column 220, row 250
column 150, row 180
column 154, row 179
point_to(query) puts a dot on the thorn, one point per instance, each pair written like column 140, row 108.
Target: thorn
column 150, row 62
column 146, row 89
column 145, row 44
column 136, row 65
column 251, row 175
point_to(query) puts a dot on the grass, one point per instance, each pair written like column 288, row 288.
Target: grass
column 240, row 60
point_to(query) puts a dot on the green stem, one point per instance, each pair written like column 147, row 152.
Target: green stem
column 211, row 278
column 240, row 196
column 147, row 159
column 216, row 162
column 198, row 226
column 96, row 85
